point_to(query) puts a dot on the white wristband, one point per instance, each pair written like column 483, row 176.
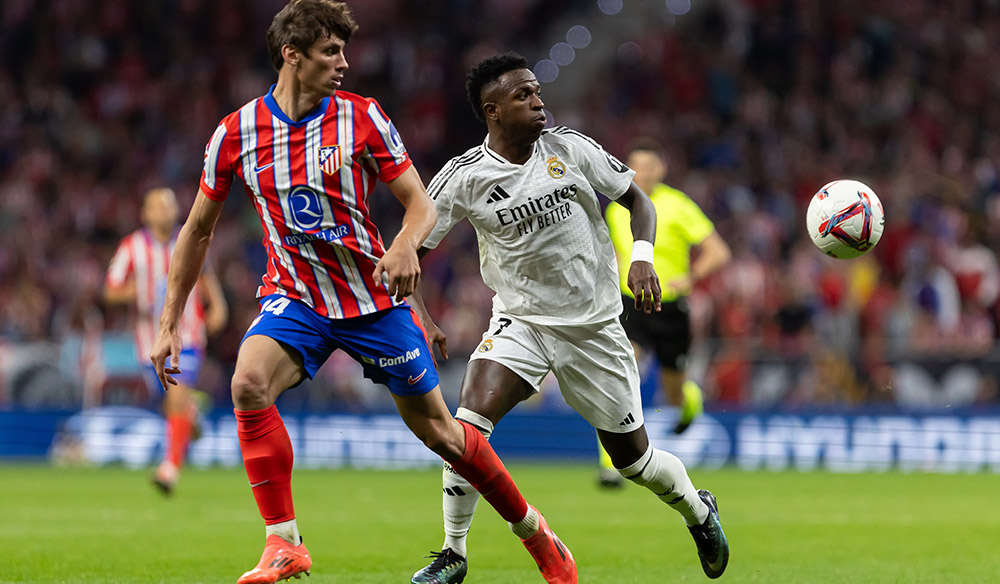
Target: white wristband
column 642, row 251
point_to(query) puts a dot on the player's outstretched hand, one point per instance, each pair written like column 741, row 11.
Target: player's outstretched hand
column 399, row 270
column 645, row 285
column 168, row 344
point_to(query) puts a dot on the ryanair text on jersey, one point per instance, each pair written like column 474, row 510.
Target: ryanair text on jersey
column 390, row 361
column 332, row 234
column 541, row 211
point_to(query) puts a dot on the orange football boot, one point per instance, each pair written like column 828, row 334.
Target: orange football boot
column 554, row 560
column 280, row 561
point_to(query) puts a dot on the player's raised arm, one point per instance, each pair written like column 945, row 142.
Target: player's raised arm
column 642, row 278
column 185, row 269
column 400, row 263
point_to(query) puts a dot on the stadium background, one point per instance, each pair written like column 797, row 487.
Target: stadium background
column 887, row 360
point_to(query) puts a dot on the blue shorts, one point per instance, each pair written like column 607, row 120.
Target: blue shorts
column 390, row 345
column 190, row 366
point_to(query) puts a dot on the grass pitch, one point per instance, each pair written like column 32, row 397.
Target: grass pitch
column 373, row 527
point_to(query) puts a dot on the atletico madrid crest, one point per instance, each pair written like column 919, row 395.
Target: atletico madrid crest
column 329, row 159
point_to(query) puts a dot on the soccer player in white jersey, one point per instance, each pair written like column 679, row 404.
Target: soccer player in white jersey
column 137, row 277
column 308, row 155
column 544, row 249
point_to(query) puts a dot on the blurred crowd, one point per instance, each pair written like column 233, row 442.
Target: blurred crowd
column 760, row 102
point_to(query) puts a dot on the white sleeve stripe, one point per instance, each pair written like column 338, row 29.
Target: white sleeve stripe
column 382, row 125
column 212, row 155
column 118, row 270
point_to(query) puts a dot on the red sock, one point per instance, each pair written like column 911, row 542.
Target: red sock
column 484, row 471
column 267, row 456
column 179, row 428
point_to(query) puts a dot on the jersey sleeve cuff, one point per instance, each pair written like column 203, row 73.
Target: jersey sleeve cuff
column 394, row 171
column 215, row 195
column 627, row 183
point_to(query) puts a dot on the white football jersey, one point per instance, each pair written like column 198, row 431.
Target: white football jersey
column 543, row 245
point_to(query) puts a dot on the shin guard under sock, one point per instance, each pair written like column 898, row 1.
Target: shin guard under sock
column 482, row 468
column 267, row 456
column 665, row 475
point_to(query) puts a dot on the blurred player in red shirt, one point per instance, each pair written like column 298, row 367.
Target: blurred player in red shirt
column 137, row 276
column 309, row 155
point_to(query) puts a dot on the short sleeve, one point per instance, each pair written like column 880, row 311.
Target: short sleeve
column 445, row 190
column 121, row 265
column 605, row 173
column 695, row 225
column 385, row 146
column 217, row 174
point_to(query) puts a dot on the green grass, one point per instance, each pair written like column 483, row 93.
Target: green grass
column 109, row 525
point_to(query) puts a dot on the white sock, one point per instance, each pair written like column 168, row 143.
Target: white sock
column 460, row 499
column 287, row 530
column 526, row 527
column 665, row 475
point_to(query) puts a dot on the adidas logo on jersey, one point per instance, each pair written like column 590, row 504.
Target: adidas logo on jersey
column 497, row 194
column 629, row 419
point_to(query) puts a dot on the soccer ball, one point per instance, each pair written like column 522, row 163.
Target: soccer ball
column 845, row 219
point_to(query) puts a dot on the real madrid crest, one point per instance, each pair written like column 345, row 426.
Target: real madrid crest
column 486, row 346
column 556, row 169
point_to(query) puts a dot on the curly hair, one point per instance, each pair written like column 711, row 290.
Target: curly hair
column 487, row 71
column 302, row 22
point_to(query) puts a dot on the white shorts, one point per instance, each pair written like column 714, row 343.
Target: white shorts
column 594, row 365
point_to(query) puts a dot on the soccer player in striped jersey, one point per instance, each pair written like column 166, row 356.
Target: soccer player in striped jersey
column 530, row 194
column 309, row 155
column 137, row 277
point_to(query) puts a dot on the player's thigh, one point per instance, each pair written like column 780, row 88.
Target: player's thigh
column 287, row 342
column 507, row 367
column 491, row 389
column 264, row 369
column 176, row 399
column 392, row 349
column 598, row 375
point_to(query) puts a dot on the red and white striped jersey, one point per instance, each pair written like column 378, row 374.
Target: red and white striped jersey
column 309, row 182
column 146, row 259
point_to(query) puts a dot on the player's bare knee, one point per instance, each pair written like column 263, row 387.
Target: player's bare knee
column 250, row 391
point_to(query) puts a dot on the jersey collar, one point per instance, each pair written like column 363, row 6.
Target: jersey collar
column 492, row 153
column 276, row 111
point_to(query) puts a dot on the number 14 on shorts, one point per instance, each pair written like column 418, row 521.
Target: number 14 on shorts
column 275, row 306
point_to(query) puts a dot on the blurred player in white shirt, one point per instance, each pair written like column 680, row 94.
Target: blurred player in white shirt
column 137, row 277
column 544, row 248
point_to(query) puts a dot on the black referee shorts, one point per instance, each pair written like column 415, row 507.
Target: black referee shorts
column 667, row 333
